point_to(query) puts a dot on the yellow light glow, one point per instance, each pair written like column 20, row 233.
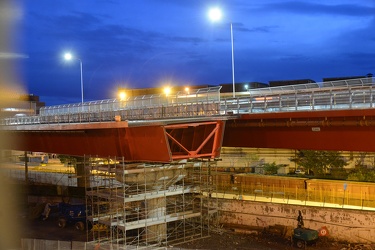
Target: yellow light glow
column 167, row 90
column 122, row 95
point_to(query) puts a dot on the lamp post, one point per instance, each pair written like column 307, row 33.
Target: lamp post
column 68, row 57
column 215, row 14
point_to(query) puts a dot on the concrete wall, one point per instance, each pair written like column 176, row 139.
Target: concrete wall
column 354, row 226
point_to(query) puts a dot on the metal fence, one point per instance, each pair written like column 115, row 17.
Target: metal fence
column 321, row 197
column 344, row 94
column 200, row 102
column 41, row 244
column 204, row 95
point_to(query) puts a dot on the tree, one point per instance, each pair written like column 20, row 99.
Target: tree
column 362, row 174
column 69, row 160
column 270, row 168
column 319, row 162
column 360, row 160
column 248, row 161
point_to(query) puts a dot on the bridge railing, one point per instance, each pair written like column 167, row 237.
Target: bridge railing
column 368, row 81
column 182, row 97
column 198, row 102
column 345, row 94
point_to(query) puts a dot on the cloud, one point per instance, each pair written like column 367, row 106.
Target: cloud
column 180, row 39
column 309, row 8
column 262, row 29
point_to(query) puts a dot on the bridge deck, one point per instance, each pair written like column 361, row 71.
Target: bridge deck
column 322, row 116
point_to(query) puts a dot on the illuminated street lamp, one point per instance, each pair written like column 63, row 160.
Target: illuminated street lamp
column 68, row 57
column 167, row 91
column 215, row 14
column 187, row 92
column 122, row 95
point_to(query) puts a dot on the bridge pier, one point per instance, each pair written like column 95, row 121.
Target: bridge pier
column 82, row 173
column 26, row 169
column 156, row 210
column 150, row 204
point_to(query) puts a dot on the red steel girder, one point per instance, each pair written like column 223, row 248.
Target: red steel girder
column 195, row 140
column 350, row 130
column 153, row 143
column 146, row 143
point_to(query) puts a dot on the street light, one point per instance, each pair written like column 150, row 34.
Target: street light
column 68, row 57
column 215, row 14
column 167, row 91
column 122, row 95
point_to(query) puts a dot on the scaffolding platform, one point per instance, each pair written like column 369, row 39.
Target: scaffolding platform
column 143, row 204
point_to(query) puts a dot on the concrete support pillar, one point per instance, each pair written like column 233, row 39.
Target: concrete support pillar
column 156, row 209
column 26, row 168
column 82, row 173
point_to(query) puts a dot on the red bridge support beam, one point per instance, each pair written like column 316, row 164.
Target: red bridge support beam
column 349, row 130
column 195, row 140
column 156, row 143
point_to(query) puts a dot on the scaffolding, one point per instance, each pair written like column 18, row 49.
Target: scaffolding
column 150, row 205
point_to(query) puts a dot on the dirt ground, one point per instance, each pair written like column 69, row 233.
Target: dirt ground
column 39, row 229
column 236, row 241
column 223, row 239
column 264, row 241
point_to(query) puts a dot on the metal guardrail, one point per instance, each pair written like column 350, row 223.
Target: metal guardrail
column 199, row 102
column 204, row 95
column 354, row 97
column 313, row 86
column 344, row 94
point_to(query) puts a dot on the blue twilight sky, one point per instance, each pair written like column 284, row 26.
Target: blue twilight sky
column 150, row 43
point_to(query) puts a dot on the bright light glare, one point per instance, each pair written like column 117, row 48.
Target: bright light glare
column 215, row 14
column 167, row 90
column 68, row 56
column 187, row 89
column 122, row 95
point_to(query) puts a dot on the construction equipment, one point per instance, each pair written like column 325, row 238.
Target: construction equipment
column 303, row 236
column 72, row 214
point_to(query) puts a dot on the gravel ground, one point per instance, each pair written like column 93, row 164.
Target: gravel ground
column 225, row 239
column 263, row 241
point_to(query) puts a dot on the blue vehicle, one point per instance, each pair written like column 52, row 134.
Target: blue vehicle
column 72, row 214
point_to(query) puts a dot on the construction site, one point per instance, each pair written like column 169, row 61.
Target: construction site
column 144, row 205
column 158, row 206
